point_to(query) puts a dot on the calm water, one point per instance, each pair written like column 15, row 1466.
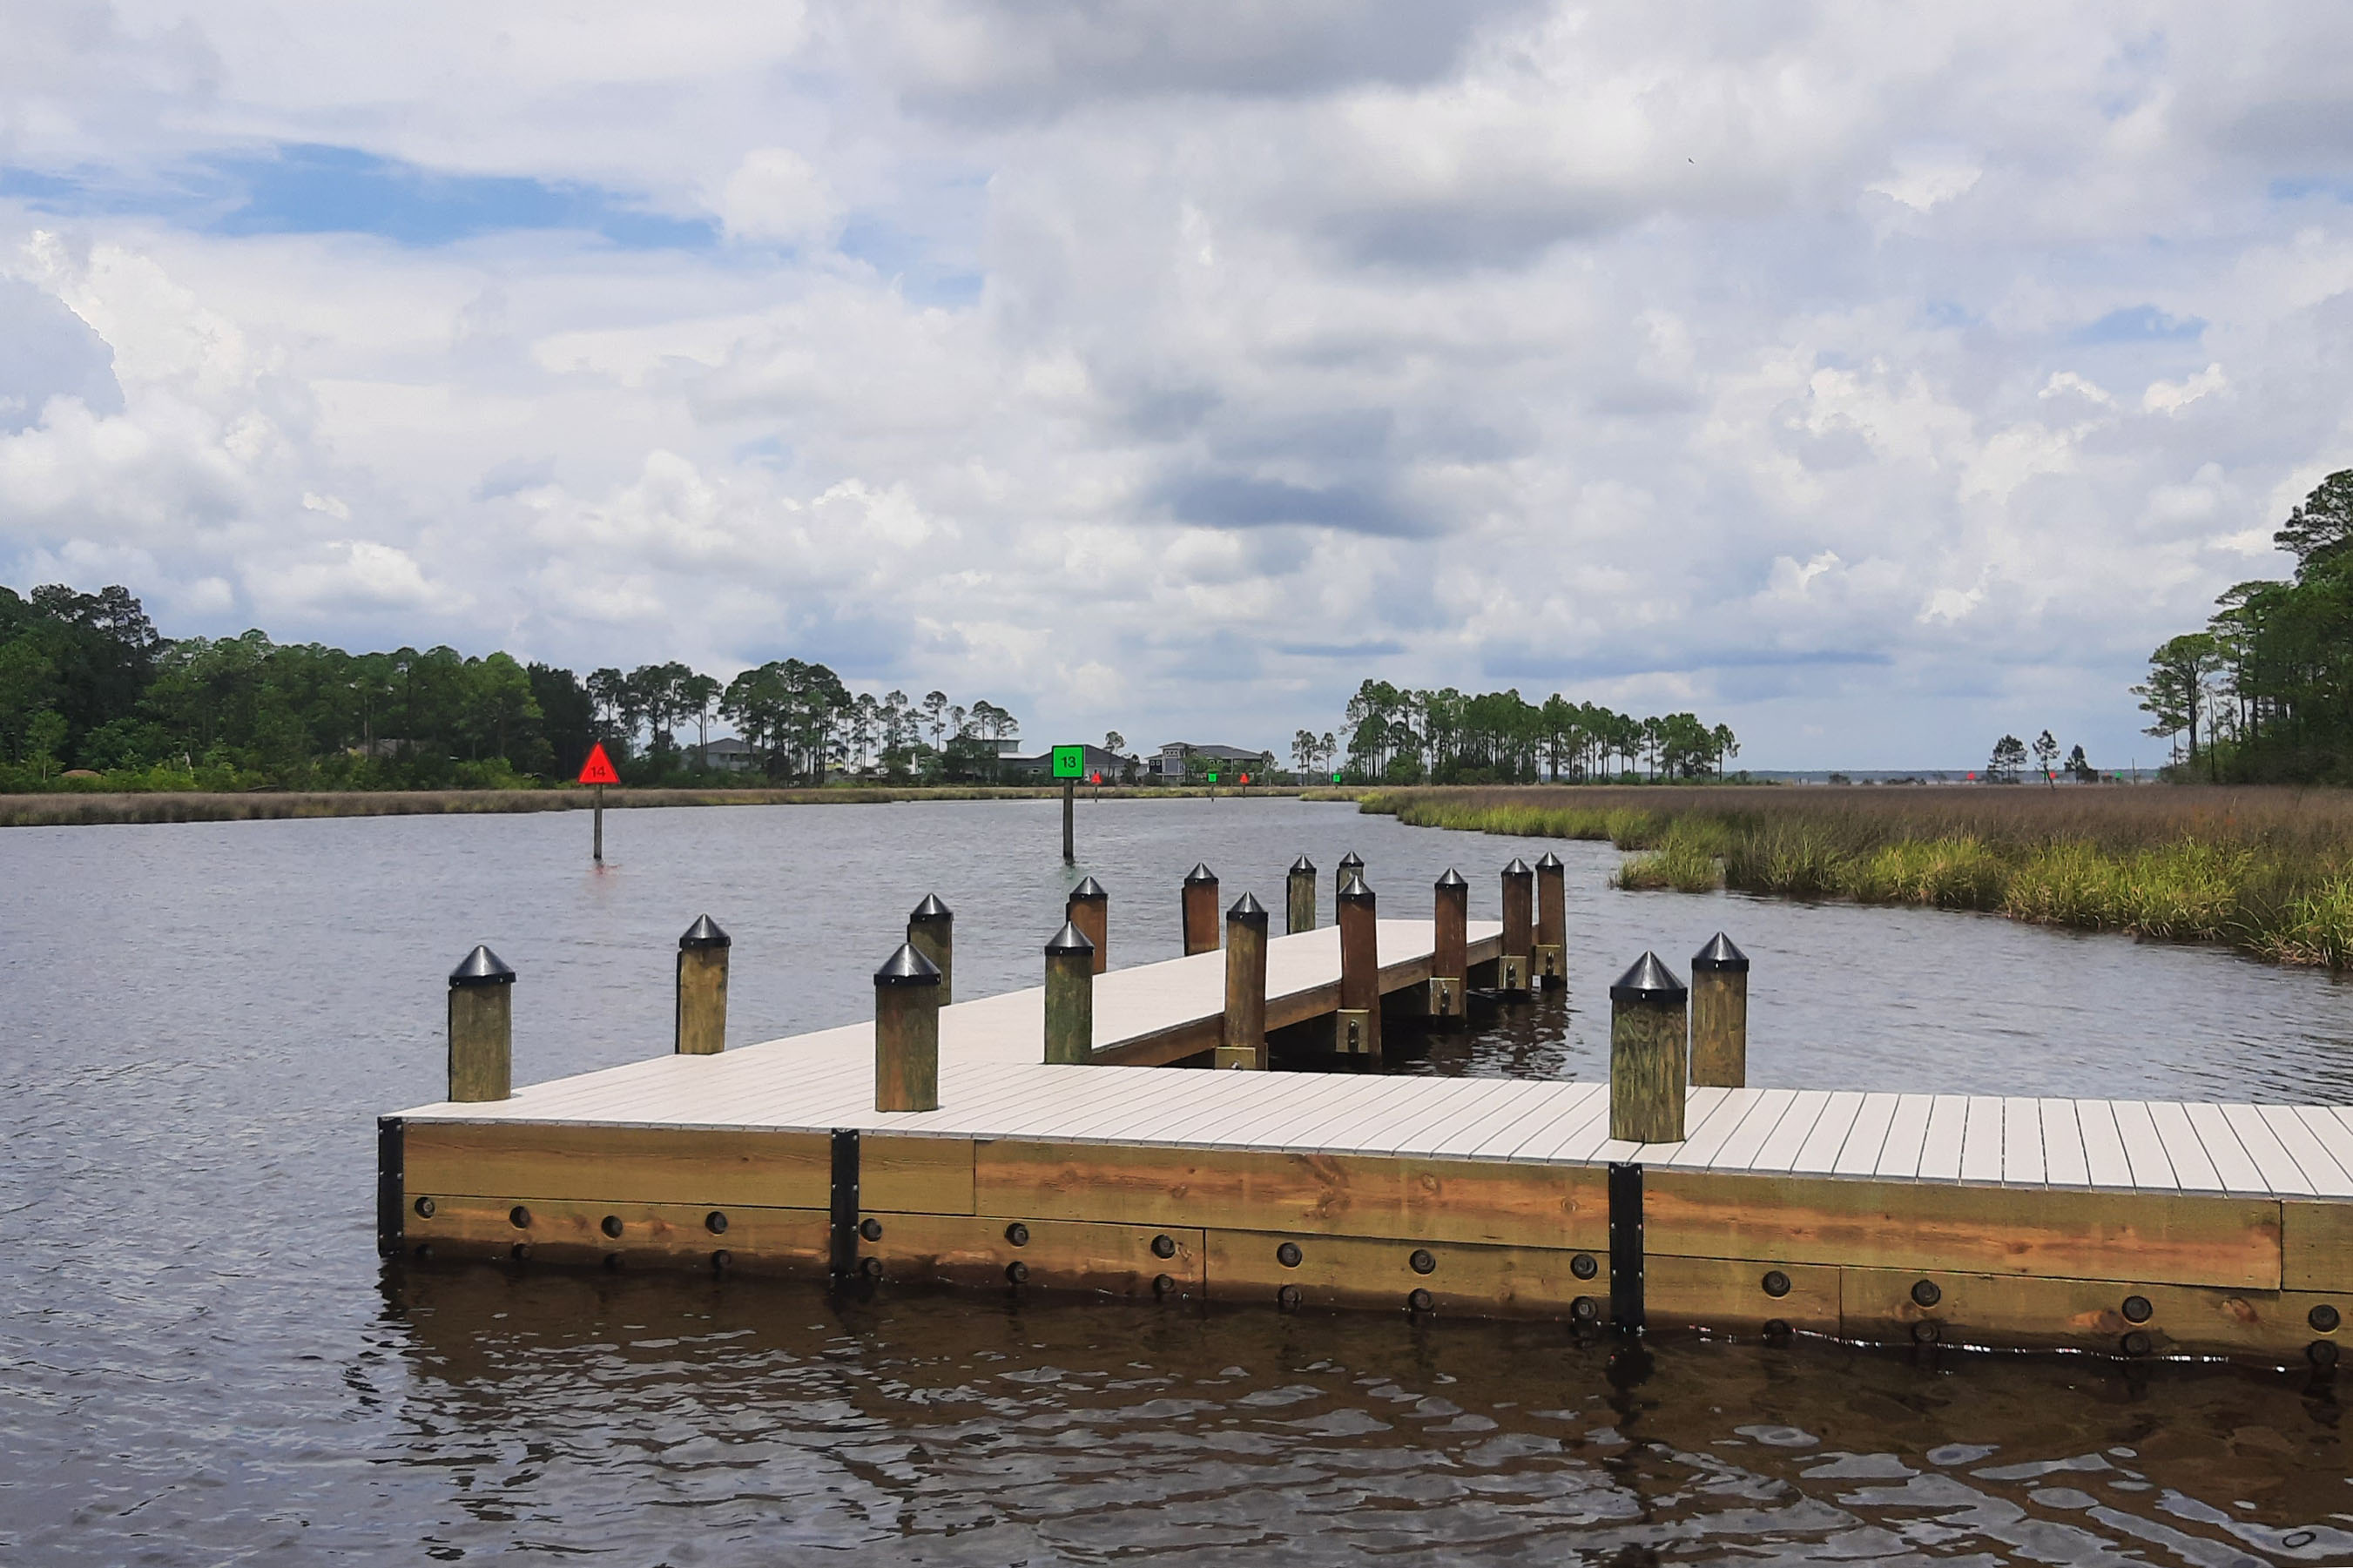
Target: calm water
column 203, row 1361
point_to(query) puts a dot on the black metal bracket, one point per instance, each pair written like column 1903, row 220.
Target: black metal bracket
column 1625, row 1247
column 391, row 1185
column 843, row 1261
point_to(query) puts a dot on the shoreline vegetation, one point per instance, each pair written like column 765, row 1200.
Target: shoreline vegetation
column 2265, row 869
column 79, row 808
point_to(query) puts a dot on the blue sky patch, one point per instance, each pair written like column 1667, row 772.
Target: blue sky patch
column 2141, row 324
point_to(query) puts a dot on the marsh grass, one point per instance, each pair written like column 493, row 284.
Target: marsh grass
column 2268, row 870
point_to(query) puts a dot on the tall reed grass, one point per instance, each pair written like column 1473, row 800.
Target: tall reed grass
column 2266, row 870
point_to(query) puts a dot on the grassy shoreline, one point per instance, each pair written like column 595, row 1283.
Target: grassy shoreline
column 2266, row 870
column 77, row 809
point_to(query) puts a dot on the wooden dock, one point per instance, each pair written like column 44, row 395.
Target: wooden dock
column 2118, row 1227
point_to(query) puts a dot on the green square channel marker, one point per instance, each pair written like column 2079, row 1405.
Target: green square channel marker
column 1070, row 762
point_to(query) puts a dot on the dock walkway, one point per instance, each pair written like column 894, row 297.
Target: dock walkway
column 2125, row 1227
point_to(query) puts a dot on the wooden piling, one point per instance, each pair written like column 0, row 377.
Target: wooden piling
column 1351, row 865
column 1647, row 1020
column 597, row 845
column 1242, row 1043
column 907, row 1033
column 1552, row 922
column 1357, row 1027
column 700, row 1026
column 1200, row 911
column 1719, row 1004
column 931, row 929
column 1089, row 908
column 481, row 1028
column 1070, row 822
column 1070, row 996
column 1449, row 961
column 1299, row 897
column 1519, row 929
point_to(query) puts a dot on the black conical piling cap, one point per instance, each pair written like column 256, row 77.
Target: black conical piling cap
column 1721, row 957
column 1352, row 861
column 1453, row 879
column 1069, row 940
column 907, row 967
column 931, row 909
column 1302, row 866
column 1354, row 890
column 1090, row 888
column 705, row 932
column 1551, row 862
column 1518, row 867
column 1247, row 910
column 1648, row 981
column 1199, row 875
column 482, row 967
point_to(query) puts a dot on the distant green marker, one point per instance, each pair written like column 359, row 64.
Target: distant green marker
column 1070, row 762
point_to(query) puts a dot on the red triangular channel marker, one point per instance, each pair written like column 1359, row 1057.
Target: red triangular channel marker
column 598, row 768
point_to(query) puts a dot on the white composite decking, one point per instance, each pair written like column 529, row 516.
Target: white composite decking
column 992, row 1085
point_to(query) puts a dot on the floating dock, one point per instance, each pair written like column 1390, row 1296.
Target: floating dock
column 2118, row 1227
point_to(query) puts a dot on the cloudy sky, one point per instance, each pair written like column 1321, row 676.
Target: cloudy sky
column 1874, row 379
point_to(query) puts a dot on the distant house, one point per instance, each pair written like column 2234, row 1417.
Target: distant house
column 1013, row 768
column 1169, row 766
column 726, row 754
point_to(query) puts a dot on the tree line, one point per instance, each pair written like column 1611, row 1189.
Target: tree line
column 88, row 686
column 2265, row 693
column 1396, row 735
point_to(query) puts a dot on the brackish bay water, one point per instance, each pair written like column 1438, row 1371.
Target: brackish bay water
column 202, row 1361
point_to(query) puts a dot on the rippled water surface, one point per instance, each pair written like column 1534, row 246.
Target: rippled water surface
column 203, row 1361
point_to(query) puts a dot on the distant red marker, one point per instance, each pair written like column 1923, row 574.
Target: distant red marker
column 598, row 768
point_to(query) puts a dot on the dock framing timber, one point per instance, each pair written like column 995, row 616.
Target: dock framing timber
column 2124, row 1227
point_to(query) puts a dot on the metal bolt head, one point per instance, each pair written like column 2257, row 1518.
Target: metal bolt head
column 1164, row 1247
column 1585, row 1310
column 519, row 1217
column 1422, row 1261
column 1162, row 1284
column 1017, row 1272
column 871, row 1229
column 2136, row 1309
column 1583, row 1266
column 612, row 1226
column 722, row 1260
column 715, row 1222
column 1288, row 1255
column 1926, row 1294
column 2322, row 1319
column 1288, row 1298
column 1017, row 1233
column 1776, row 1283
column 1776, row 1328
column 2321, row 1354
column 1924, row 1333
column 2136, row 1344
column 520, row 1252
column 871, row 1266
column 425, row 1208
column 1421, row 1301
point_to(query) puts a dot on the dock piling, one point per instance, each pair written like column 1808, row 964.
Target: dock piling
column 481, row 1028
column 1449, row 961
column 700, row 1023
column 1242, row 1043
column 907, row 1033
column 1519, row 931
column 1200, row 911
column 1299, row 897
column 1070, row 996
column 1552, row 922
column 1351, row 865
column 1069, row 824
column 931, row 930
column 1647, row 1009
column 1356, row 1026
column 1089, row 908
column 1719, row 1002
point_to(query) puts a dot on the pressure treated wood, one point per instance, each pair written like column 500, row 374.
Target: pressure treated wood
column 1360, row 1271
column 481, row 1029
column 521, row 1161
column 1107, row 1260
column 1719, row 1027
column 702, row 1023
column 655, row 1236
